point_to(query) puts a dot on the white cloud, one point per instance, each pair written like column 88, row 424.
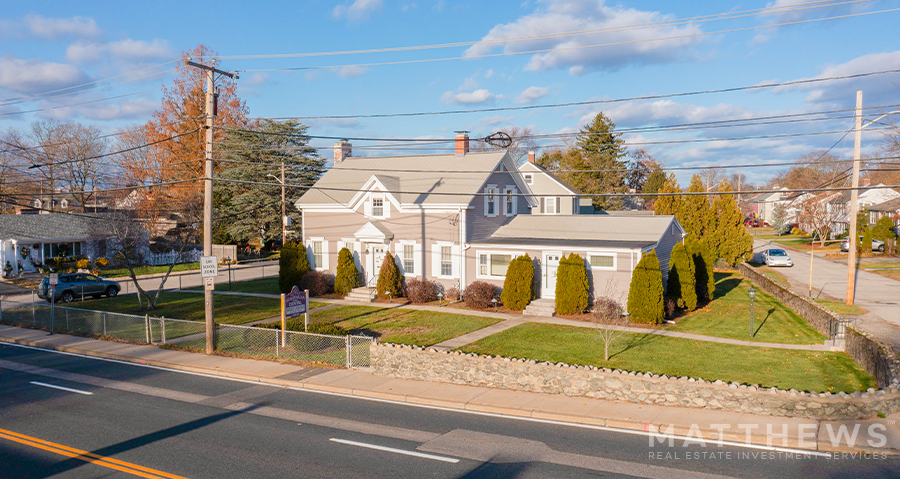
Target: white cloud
column 532, row 94
column 34, row 76
column 571, row 52
column 256, row 79
column 57, row 28
column 350, row 72
column 358, row 10
column 472, row 98
column 496, row 120
column 132, row 109
column 877, row 89
column 129, row 50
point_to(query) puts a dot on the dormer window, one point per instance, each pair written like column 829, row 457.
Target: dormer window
column 378, row 207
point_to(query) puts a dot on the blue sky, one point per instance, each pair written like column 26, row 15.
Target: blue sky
column 692, row 46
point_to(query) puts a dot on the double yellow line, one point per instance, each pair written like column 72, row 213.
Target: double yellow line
column 86, row 456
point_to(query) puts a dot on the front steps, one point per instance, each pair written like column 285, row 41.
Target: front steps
column 541, row 307
column 362, row 294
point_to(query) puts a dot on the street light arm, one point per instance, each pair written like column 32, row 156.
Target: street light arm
column 880, row 117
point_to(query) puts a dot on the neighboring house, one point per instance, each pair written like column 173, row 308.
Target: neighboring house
column 890, row 208
column 763, row 206
column 455, row 219
column 554, row 195
column 48, row 236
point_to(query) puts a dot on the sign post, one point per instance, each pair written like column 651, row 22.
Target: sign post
column 54, row 280
column 209, row 269
column 296, row 303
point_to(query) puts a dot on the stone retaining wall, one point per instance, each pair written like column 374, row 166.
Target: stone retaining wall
column 411, row 362
column 875, row 357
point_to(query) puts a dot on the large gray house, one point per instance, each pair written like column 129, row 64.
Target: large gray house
column 463, row 217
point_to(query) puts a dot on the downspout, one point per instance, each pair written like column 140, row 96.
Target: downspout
column 462, row 250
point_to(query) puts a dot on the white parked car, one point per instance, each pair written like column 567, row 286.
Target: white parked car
column 777, row 257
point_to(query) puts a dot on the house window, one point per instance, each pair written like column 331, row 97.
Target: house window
column 529, row 179
column 483, row 265
column 550, row 206
column 499, row 264
column 446, row 261
column 494, row 265
column 409, row 262
column 318, row 260
column 377, row 207
column 603, row 261
column 490, row 208
column 510, row 202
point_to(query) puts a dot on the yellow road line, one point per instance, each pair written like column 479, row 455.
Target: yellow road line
column 86, row 456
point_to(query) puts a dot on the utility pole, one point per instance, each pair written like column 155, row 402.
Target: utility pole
column 284, row 224
column 854, row 199
column 208, row 190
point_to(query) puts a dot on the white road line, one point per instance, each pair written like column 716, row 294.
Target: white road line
column 398, row 451
column 746, row 445
column 62, row 388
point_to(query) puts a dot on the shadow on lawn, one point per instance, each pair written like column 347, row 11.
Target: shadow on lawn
column 634, row 342
column 763, row 322
column 725, row 283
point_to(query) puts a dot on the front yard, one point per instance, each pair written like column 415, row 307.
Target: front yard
column 228, row 309
column 785, row 369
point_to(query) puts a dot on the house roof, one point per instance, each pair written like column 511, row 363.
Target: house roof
column 529, row 167
column 426, row 179
column 50, row 227
column 583, row 230
column 889, row 205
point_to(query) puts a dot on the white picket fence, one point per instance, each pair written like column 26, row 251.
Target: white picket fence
column 159, row 259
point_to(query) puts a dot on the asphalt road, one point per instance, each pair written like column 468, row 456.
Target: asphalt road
column 118, row 420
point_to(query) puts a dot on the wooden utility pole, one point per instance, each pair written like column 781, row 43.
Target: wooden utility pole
column 854, row 199
column 284, row 222
column 208, row 190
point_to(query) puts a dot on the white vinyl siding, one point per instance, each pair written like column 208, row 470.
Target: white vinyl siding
column 445, row 261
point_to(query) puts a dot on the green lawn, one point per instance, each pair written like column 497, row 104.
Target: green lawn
column 228, row 309
column 262, row 285
column 402, row 326
column 785, row 369
column 781, row 237
column 728, row 316
column 771, row 274
column 118, row 273
column 879, row 265
column 842, row 308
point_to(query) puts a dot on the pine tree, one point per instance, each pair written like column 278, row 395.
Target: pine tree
column 883, row 230
column 668, row 204
column 645, row 294
column 572, row 287
column 517, row 287
column 682, row 278
column 292, row 266
column 347, row 276
column 703, row 269
column 865, row 245
column 695, row 212
column 729, row 239
column 390, row 282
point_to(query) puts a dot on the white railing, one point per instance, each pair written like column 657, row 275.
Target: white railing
column 160, row 259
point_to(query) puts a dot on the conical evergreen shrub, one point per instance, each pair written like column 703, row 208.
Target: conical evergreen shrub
column 703, row 270
column 347, row 276
column 645, row 294
column 682, row 278
column 390, row 282
column 572, row 287
column 292, row 266
column 517, row 286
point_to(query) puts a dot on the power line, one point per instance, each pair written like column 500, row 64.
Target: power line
column 117, row 152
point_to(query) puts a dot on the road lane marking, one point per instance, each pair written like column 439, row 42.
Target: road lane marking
column 86, row 456
column 398, row 451
column 61, row 388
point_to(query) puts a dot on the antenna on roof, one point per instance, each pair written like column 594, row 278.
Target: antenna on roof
column 499, row 139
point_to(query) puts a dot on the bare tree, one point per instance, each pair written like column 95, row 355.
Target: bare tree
column 608, row 317
column 712, row 177
column 818, row 213
column 11, row 182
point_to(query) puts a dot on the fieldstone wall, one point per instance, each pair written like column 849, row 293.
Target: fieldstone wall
column 875, row 357
column 412, row 362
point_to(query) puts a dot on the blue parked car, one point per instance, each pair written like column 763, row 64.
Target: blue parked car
column 78, row 285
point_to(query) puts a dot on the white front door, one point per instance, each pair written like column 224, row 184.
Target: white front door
column 376, row 257
column 548, row 285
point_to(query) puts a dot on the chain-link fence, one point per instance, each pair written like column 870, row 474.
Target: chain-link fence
column 348, row 351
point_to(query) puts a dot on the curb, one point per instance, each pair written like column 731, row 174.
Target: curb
column 680, row 432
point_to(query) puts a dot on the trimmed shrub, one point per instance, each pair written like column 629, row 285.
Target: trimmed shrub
column 317, row 282
column 517, row 287
column 293, row 265
column 645, row 294
column 101, row 262
column 347, row 276
column 682, row 278
column 705, row 280
column 796, row 231
column 865, row 246
column 420, row 290
column 326, row 328
column 572, row 287
column 479, row 294
column 390, row 282
column 83, row 264
column 452, row 294
column 606, row 309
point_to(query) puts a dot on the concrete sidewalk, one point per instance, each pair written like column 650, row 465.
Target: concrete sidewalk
column 697, row 424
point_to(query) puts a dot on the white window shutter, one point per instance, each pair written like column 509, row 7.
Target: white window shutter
column 387, row 208
column 357, row 255
column 455, row 255
column 398, row 257
column 435, row 260
column 419, row 260
column 557, row 204
column 543, row 206
column 486, row 202
column 325, row 254
column 367, row 206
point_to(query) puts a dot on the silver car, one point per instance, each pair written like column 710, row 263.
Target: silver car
column 777, row 257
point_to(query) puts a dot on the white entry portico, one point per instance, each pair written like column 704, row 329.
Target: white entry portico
column 376, row 239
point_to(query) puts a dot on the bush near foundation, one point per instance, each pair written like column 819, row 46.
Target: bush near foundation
column 517, row 287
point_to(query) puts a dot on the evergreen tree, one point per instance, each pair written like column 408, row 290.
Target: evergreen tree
column 883, row 230
column 682, row 278
column 669, row 204
column 703, row 270
column 292, row 266
column 779, row 217
column 865, row 245
column 390, row 282
column 517, row 287
column 572, row 287
column 347, row 276
column 729, row 239
column 645, row 294
column 695, row 212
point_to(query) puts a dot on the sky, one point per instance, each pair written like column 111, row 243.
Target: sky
column 504, row 64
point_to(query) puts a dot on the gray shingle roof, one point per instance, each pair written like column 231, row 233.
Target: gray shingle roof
column 643, row 230
column 427, row 179
column 49, row 227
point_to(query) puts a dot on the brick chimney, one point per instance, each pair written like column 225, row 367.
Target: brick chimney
column 462, row 142
column 531, row 157
column 865, row 182
column 342, row 151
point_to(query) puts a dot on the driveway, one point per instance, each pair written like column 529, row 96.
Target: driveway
column 879, row 295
